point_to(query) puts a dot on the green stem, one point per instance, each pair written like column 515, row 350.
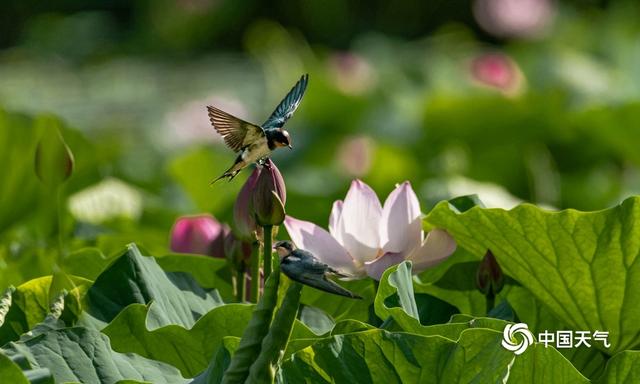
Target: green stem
column 387, row 324
column 267, row 232
column 491, row 302
column 255, row 272
column 59, row 223
column 240, row 285
column 253, row 335
column 275, row 343
column 373, row 318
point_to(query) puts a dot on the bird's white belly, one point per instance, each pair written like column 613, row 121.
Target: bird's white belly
column 256, row 151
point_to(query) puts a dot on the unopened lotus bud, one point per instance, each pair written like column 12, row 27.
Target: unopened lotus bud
column 489, row 277
column 201, row 234
column 269, row 196
column 245, row 223
column 238, row 252
column 53, row 158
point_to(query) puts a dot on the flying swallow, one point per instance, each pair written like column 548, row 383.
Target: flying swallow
column 253, row 142
column 303, row 267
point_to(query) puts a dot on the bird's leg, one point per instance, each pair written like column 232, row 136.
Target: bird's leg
column 263, row 162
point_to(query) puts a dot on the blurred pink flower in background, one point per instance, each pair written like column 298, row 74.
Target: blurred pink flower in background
column 354, row 155
column 200, row 234
column 365, row 238
column 514, row 18
column 189, row 123
column 498, row 71
column 351, row 73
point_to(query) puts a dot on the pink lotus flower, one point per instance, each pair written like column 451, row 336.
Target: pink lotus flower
column 515, row 18
column 201, row 234
column 365, row 238
column 499, row 71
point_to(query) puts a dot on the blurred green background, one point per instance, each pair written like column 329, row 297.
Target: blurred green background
column 515, row 100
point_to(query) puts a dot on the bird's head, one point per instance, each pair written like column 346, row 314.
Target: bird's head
column 282, row 138
column 284, row 248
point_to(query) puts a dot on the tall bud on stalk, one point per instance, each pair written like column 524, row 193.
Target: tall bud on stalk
column 53, row 159
column 489, row 277
column 269, row 196
column 237, row 251
column 245, row 223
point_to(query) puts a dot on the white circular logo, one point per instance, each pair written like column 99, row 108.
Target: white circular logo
column 515, row 344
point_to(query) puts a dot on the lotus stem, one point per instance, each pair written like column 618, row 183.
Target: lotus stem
column 255, row 272
column 266, row 243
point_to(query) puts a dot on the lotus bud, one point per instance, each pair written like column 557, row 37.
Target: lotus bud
column 269, row 196
column 245, row 223
column 237, row 252
column 53, row 159
column 489, row 277
column 201, row 234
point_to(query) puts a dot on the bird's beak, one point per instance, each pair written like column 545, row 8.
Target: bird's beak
column 290, row 147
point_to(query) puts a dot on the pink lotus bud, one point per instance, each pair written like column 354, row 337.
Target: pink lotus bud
column 269, row 196
column 201, row 234
column 245, row 223
column 238, row 252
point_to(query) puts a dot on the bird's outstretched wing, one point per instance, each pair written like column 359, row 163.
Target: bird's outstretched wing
column 236, row 133
column 288, row 105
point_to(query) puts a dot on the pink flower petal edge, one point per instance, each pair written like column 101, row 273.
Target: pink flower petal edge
column 436, row 248
column 358, row 228
column 377, row 267
column 401, row 225
column 334, row 218
column 318, row 241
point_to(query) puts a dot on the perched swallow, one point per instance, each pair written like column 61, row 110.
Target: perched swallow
column 252, row 142
column 303, row 267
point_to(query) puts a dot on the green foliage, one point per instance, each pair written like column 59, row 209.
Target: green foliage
column 385, row 111
column 275, row 342
column 378, row 356
column 11, row 371
column 258, row 327
column 19, row 182
column 580, row 265
column 84, row 355
column 397, row 281
column 186, row 349
column 16, row 369
column 133, row 278
column 622, row 368
column 134, row 318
